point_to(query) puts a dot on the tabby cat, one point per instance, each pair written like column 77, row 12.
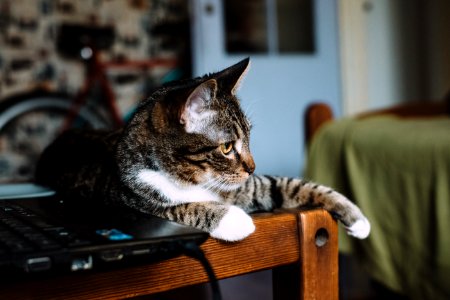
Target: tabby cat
column 185, row 156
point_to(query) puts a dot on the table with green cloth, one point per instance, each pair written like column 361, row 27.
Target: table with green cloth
column 398, row 172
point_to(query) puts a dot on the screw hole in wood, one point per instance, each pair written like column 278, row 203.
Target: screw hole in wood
column 321, row 237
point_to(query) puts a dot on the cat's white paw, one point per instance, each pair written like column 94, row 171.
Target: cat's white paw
column 234, row 226
column 360, row 229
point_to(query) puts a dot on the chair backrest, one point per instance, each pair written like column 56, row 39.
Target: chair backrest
column 318, row 114
column 315, row 116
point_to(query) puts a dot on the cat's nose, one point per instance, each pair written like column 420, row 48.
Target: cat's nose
column 249, row 165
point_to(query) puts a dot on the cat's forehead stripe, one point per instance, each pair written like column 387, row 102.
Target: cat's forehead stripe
column 240, row 126
column 237, row 135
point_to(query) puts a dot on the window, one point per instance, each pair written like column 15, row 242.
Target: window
column 269, row 26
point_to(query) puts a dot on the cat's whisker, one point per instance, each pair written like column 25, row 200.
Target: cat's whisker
column 215, row 185
column 219, row 184
column 209, row 185
column 189, row 179
column 249, row 108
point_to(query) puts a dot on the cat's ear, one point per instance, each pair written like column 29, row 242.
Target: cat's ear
column 195, row 110
column 231, row 78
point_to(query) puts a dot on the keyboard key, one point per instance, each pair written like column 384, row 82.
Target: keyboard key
column 23, row 230
column 79, row 242
column 47, row 244
column 18, row 246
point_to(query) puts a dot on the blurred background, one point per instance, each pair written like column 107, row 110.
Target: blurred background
column 352, row 54
column 87, row 63
column 81, row 64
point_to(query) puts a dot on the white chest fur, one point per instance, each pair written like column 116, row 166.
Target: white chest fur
column 175, row 192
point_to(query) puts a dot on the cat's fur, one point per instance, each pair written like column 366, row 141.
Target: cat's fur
column 185, row 156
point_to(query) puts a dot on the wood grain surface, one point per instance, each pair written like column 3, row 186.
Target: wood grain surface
column 274, row 244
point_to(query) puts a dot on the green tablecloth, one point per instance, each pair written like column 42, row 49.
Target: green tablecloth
column 398, row 172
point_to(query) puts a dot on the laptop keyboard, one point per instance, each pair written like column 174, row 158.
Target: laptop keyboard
column 22, row 231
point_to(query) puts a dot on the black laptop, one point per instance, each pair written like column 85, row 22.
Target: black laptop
column 40, row 232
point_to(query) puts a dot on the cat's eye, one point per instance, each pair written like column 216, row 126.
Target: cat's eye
column 226, row 148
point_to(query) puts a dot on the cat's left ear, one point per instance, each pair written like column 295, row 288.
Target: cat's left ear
column 196, row 110
column 231, row 78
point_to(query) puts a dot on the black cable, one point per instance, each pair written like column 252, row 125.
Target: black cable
column 194, row 251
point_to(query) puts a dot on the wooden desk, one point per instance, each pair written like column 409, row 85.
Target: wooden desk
column 284, row 241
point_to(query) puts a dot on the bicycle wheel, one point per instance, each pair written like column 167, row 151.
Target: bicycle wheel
column 29, row 123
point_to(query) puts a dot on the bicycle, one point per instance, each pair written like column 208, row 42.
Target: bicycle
column 31, row 121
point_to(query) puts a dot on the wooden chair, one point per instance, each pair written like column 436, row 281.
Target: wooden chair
column 300, row 246
column 318, row 114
